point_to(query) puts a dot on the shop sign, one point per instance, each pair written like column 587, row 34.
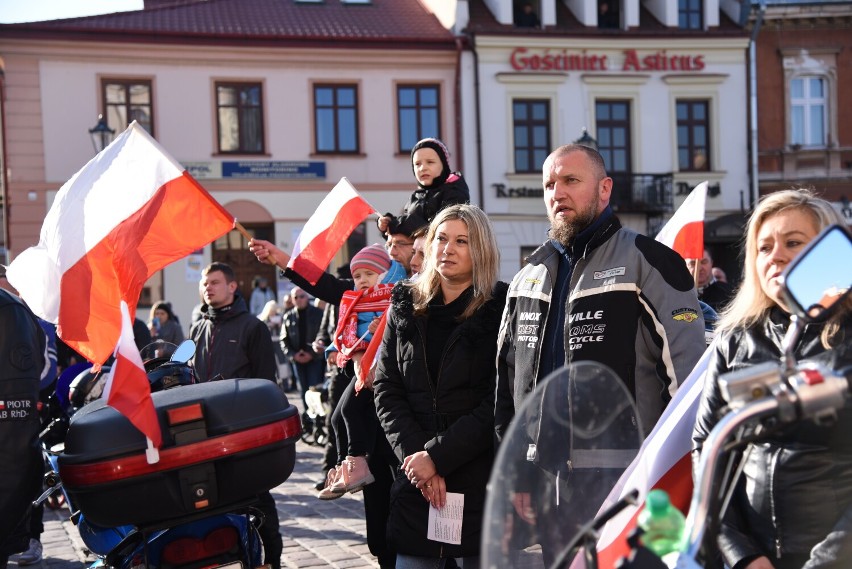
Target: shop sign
column 524, row 59
column 257, row 169
column 502, row 191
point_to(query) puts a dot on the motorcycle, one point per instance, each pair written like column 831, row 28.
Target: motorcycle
column 224, row 442
column 760, row 399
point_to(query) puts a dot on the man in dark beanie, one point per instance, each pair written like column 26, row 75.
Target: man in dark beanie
column 438, row 187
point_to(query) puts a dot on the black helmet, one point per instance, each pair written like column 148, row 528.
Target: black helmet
column 87, row 386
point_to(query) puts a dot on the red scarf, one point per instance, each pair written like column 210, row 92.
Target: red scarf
column 346, row 339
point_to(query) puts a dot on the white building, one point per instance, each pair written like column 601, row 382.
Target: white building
column 661, row 87
column 267, row 102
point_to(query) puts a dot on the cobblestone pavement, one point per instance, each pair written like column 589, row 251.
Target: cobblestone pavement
column 317, row 533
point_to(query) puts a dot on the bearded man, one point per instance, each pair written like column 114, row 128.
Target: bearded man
column 596, row 291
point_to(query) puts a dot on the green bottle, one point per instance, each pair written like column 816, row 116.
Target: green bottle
column 662, row 523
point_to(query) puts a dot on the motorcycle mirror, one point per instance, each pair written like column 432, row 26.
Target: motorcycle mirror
column 184, row 352
column 819, row 278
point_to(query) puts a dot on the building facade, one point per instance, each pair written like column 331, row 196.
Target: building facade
column 268, row 103
column 804, row 73
column 659, row 86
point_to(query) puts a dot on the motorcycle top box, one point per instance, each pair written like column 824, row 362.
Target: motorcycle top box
column 224, row 442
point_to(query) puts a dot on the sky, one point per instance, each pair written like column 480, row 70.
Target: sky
column 12, row 11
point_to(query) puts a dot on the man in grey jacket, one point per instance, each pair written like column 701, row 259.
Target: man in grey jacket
column 595, row 291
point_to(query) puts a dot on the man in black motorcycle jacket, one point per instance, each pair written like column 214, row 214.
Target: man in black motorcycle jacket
column 23, row 358
column 626, row 300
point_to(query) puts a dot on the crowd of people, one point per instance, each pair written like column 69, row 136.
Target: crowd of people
column 426, row 356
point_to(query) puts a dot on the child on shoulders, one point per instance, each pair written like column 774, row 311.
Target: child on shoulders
column 438, row 187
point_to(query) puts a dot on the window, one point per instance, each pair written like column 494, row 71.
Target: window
column 608, row 16
column 690, row 14
column 419, row 114
column 240, row 118
column 612, row 124
column 693, row 139
column 336, row 118
column 126, row 101
column 807, row 111
column 531, row 129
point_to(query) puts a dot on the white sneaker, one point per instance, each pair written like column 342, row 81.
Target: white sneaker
column 32, row 555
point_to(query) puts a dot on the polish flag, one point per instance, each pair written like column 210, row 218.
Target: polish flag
column 684, row 232
column 664, row 461
column 128, row 213
column 327, row 230
column 128, row 390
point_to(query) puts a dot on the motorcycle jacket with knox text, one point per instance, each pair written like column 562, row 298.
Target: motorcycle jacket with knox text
column 631, row 305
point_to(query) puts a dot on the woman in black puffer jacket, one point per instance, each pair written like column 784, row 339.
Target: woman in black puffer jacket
column 435, row 384
column 792, row 507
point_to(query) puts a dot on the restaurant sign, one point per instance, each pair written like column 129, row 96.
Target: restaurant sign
column 524, row 59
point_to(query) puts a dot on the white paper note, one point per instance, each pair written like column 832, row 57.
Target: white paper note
column 445, row 525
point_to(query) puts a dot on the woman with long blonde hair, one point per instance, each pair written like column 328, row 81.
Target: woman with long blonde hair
column 793, row 503
column 435, row 383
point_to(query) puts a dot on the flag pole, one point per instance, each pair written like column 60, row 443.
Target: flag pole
column 239, row 227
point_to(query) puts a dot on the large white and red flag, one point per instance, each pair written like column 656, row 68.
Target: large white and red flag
column 326, row 231
column 125, row 215
column 684, row 232
column 128, row 390
column 664, row 462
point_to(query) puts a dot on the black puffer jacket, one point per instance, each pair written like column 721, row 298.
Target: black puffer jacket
column 425, row 203
column 797, row 485
column 451, row 416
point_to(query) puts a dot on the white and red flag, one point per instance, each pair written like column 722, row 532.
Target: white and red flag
column 664, row 461
column 125, row 215
column 128, row 390
column 327, row 230
column 684, row 232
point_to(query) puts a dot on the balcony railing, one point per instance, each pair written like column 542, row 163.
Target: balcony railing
column 642, row 193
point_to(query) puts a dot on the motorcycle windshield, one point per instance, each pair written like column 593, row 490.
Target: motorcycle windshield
column 566, row 448
column 157, row 350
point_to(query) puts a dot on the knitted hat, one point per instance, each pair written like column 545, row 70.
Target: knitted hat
column 373, row 257
column 443, row 154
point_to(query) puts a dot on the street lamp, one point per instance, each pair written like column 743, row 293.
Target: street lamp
column 587, row 140
column 101, row 134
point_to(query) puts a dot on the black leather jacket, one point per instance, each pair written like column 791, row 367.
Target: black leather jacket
column 797, row 484
column 22, row 360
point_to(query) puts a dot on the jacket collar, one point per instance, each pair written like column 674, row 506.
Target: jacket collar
column 588, row 240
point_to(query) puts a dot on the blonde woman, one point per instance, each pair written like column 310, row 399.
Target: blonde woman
column 434, row 387
column 791, row 506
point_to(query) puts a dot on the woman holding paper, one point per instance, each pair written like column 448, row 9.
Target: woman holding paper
column 434, row 390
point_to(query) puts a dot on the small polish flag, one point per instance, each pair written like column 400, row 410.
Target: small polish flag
column 684, row 232
column 327, row 230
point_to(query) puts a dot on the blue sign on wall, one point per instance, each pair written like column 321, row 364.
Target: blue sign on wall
column 273, row 169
